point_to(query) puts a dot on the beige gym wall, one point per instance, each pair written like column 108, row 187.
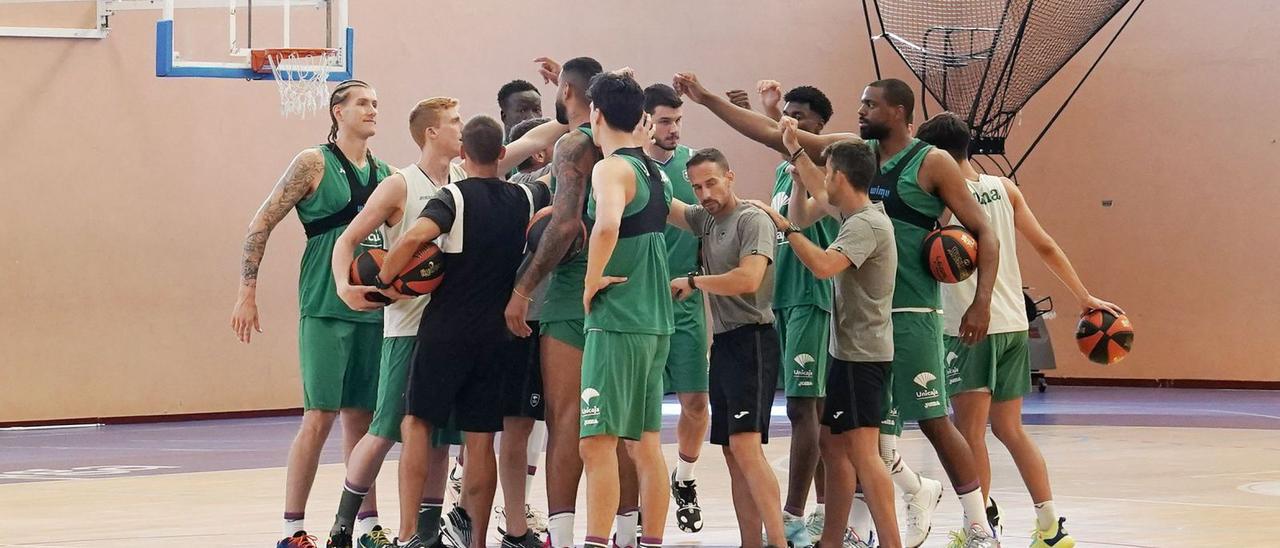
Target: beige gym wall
column 127, row 196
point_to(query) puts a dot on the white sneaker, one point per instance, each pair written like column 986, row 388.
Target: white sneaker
column 975, row 537
column 920, row 507
column 796, row 532
column 814, row 524
column 536, row 518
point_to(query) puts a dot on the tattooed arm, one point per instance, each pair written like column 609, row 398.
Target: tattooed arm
column 571, row 166
column 301, row 179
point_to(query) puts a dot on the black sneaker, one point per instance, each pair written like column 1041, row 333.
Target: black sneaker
column 688, row 513
column 993, row 518
column 529, row 540
column 340, row 539
column 457, row 528
column 413, row 542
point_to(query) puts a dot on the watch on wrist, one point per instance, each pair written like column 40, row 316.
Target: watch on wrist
column 692, row 284
column 378, row 283
column 790, row 229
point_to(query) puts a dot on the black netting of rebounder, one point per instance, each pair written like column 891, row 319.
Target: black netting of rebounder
column 984, row 59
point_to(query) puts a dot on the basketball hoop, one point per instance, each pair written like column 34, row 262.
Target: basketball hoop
column 300, row 75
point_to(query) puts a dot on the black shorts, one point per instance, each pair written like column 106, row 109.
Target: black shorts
column 522, row 378
column 452, row 382
column 743, row 379
column 855, row 391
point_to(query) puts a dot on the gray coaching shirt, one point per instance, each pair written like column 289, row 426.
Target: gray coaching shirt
column 742, row 232
column 862, row 325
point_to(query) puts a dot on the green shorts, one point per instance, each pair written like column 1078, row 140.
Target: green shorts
column 687, row 364
column 916, row 389
column 622, row 383
column 804, row 331
column 339, row 362
column 570, row 332
column 1000, row 364
column 393, row 375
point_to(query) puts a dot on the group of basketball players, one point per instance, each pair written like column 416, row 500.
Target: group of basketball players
column 823, row 288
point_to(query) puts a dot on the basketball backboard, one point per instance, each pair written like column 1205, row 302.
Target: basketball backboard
column 212, row 39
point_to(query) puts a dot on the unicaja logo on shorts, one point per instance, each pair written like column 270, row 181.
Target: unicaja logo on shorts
column 589, row 410
column 923, row 380
column 803, row 373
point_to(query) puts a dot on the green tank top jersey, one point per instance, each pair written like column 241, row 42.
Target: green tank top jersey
column 682, row 245
column 563, row 299
column 914, row 287
column 793, row 283
column 317, row 296
column 642, row 304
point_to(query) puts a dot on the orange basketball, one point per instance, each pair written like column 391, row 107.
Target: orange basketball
column 424, row 272
column 364, row 271
column 1104, row 337
column 538, row 224
column 951, row 254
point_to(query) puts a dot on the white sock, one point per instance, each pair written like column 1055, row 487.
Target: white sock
column 626, row 529
column 860, row 517
column 684, row 469
column 560, row 530
column 292, row 526
column 365, row 525
column 1046, row 516
column 975, row 510
column 906, row 480
column 820, row 509
column 786, row 514
column 537, row 437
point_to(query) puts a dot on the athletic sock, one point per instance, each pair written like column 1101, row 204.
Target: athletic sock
column 365, row 522
column 292, row 523
column 429, row 519
column 348, row 506
column 560, row 529
column 684, row 467
column 1046, row 516
column 627, row 521
column 903, row 477
column 860, row 515
column 975, row 512
column 595, row 542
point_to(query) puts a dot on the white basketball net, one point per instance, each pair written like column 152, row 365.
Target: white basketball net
column 301, row 82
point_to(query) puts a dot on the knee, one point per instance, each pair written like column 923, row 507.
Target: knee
column 802, row 410
column 830, row 444
column 933, row 428
column 695, row 408
column 596, row 449
column 1008, row 433
column 317, row 423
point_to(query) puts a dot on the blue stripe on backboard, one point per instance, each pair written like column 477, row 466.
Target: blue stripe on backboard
column 166, row 68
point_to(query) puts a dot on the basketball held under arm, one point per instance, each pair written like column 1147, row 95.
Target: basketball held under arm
column 575, row 156
column 423, row 230
column 942, row 177
column 385, row 206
